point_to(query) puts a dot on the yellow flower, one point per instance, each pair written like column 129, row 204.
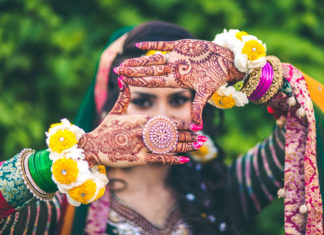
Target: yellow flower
column 240, row 34
column 54, row 125
column 102, row 169
column 224, row 102
column 65, row 170
column 153, row 52
column 100, row 193
column 84, row 192
column 202, row 151
column 61, row 140
column 254, row 50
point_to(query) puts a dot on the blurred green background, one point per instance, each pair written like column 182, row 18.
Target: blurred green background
column 48, row 52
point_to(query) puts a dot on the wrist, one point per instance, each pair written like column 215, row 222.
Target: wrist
column 70, row 171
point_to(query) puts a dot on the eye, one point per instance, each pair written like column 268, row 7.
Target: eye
column 142, row 103
column 178, row 100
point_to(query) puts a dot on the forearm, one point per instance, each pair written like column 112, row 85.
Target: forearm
column 17, row 185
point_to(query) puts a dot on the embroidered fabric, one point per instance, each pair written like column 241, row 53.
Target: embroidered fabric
column 123, row 220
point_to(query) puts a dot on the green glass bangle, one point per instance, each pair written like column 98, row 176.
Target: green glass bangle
column 46, row 172
column 34, row 172
column 40, row 170
column 32, row 169
column 39, row 167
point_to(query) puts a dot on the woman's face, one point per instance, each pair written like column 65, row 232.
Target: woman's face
column 173, row 103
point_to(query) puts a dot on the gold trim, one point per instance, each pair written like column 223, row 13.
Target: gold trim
column 252, row 82
column 28, row 180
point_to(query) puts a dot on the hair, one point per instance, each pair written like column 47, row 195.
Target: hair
column 200, row 188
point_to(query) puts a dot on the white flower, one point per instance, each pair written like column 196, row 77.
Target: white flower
column 240, row 98
column 207, row 152
column 72, row 201
column 83, row 175
column 235, row 40
column 65, row 125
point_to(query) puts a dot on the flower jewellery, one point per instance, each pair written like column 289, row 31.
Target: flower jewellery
column 205, row 153
column 263, row 75
column 70, row 171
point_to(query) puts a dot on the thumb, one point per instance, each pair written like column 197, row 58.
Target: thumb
column 197, row 108
column 123, row 100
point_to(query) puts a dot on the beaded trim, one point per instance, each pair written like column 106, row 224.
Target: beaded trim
column 252, row 81
column 26, row 176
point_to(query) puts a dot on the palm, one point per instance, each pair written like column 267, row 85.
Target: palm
column 118, row 140
column 195, row 64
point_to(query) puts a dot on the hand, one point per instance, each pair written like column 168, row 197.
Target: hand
column 194, row 64
column 118, row 140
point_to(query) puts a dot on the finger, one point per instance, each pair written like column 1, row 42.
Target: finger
column 182, row 125
column 197, row 108
column 186, row 147
column 145, row 60
column 185, row 136
column 123, row 100
column 165, row 159
column 153, row 82
column 145, row 71
column 159, row 46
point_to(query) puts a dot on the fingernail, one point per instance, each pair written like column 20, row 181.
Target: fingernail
column 202, row 138
column 120, row 84
column 137, row 44
column 197, row 145
column 121, row 77
column 194, row 127
column 184, row 159
column 115, row 70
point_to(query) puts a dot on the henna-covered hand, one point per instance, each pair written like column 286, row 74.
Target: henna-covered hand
column 118, row 140
column 195, row 64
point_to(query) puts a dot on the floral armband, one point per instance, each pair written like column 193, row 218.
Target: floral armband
column 70, row 170
column 263, row 74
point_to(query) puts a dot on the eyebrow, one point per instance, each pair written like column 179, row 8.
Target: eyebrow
column 154, row 96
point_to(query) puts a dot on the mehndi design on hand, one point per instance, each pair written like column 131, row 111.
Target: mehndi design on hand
column 118, row 140
column 194, row 64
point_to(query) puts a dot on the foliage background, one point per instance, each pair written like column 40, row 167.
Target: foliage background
column 48, row 52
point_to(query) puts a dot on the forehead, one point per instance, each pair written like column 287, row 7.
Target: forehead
column 158, row 91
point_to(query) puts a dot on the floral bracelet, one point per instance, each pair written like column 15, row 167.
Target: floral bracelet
column 70, row 170
column 249, row 58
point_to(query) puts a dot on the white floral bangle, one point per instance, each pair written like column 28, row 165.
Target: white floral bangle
column 249, row 53
column 70, row 171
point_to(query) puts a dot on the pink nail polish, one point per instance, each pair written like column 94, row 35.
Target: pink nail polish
column 120, row 84
column 184, row 160
column 115, row 70
column 121, row 77
column 194, row 127
column 137, row 44
column 197, row 145
column 202, row 138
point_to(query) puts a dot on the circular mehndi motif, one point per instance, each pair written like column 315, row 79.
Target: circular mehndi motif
column 160, row 135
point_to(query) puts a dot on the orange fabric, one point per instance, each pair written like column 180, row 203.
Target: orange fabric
column 68, row 220
column 316, row 91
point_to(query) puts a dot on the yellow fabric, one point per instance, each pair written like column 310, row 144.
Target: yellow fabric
column 316, row 91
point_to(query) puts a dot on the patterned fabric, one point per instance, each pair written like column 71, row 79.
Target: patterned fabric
column 301, row 174
column 102, row 77
column 37, row 218
column 12, row 185
column 255, row 177
column 124, row 220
